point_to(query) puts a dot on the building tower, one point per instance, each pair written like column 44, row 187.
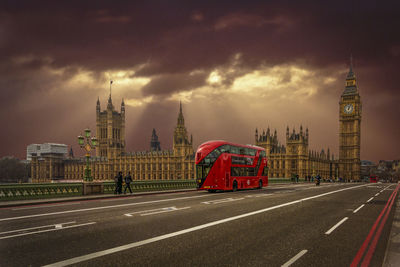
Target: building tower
column 110, row 130
column 350, row 129
column 181, row 144
column 154, row 143
column 296, row 153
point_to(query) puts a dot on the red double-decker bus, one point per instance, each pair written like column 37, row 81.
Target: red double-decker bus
column 222, row 165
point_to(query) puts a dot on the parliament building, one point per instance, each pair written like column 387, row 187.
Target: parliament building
column 156, row 164
column 111, row 156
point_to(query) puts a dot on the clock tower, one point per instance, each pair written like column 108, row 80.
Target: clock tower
column 350, row 129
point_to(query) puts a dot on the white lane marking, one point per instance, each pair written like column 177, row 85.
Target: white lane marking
column 47, row 206
column 358, row 208
column 217, row 201
column 377, row 194
column 171, row 209
column 122, row 198
column 295, row 258
column 258, row 195
column 32, row 228
column 98, row 208
column 155, row 211
column 370, row 199
column 336, row 225
column 181, row 232
column 48, row 230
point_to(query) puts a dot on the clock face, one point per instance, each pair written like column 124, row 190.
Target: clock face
column 348, row 109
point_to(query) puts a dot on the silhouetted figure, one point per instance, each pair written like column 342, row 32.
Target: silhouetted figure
column 128, row 180
column 118, row 183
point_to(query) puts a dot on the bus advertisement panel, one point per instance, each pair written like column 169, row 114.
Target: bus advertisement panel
column 222, row 165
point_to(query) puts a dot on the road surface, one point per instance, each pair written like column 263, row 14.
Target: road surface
column 279, row 225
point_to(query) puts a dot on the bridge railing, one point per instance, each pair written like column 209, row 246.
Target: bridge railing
column 56, row 190
column 36, row 191
column 153, row 185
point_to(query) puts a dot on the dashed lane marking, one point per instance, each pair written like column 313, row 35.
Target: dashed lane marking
column 295, row 258
column 217, row 201
column 358, row 208
column 258, row 195
column 57, row 227
column 336, row 226
column 155, row 211
column 370, row 199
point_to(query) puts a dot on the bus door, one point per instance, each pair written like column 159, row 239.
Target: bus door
column 227, row 178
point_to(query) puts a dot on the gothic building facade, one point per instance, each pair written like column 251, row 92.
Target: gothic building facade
column 295, row 158
column 111, row 156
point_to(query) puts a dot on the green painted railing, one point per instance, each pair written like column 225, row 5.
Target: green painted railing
column 34, row 191
column 56, row 190
column 156, row 185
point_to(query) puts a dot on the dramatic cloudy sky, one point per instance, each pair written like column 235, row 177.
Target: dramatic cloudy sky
column 235, row 65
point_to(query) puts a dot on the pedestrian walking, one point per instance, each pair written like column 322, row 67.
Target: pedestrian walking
column 128, row 180
column 118, row 183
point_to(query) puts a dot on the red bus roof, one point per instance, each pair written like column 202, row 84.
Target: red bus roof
column 216, row 143
column 204, row 149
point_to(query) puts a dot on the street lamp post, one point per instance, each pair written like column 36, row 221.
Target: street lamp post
column 88, row 144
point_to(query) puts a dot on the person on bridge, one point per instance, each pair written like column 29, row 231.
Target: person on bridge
column 318, row 179
column 118, row 183
column 128, row 180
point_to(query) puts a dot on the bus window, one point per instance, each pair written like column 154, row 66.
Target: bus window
column 223, row 149
column 234, row 150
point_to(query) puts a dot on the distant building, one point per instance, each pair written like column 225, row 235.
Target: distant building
column 367, row 168
column 154, row 143
column 47, row 160
column 60, row 150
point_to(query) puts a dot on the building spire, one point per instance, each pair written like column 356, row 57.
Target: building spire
column 351, row 84
column 351, row 62
column 181, row 120
column 109, row 104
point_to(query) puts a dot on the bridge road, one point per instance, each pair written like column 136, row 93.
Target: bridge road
column 301, row 224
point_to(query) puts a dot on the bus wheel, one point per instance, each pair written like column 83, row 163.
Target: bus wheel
column 211, row 190
column 234, row 186
column 260, row 184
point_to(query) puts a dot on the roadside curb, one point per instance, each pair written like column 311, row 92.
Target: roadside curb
column 392, row 254
column 17, row 203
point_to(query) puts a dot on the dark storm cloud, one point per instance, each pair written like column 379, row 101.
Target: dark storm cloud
column 167, row 40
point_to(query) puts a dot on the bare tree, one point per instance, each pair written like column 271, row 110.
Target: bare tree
column 12, row 170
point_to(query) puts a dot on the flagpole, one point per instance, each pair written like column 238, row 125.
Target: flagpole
column 110, row 86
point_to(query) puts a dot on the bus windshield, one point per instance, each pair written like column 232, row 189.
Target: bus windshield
column 203, row 168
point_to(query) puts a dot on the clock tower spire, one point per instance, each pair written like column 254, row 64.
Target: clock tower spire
column 350, row 129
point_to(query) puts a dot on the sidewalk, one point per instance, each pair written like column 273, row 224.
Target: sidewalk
column 392, row 256
column 16, row 203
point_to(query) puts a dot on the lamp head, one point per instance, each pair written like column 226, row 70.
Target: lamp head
column 87, row 132
column 80, row 140
column 94, row 141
